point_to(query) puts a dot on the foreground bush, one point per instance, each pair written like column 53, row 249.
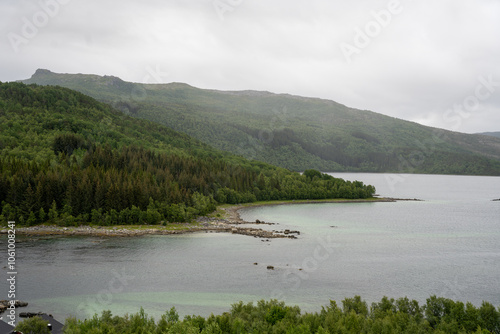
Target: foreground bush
column 438, row 315
column 35, row 325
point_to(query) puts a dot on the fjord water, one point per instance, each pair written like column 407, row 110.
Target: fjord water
column 448, row 244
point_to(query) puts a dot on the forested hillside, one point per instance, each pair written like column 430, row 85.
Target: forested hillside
column 492, row 134
column 66, row 158
column 290, row 131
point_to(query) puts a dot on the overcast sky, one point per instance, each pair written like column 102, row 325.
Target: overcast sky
column 432, row 62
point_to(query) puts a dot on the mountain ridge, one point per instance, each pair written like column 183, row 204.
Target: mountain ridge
column 291, row 131
column 492, row 134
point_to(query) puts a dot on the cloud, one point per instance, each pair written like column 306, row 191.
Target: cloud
column 423, row 58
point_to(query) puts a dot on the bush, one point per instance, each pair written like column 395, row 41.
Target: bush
column 35, row 325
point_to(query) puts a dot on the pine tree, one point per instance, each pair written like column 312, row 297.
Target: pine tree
column 28, row 205
column 53, row 212
column 42, row 215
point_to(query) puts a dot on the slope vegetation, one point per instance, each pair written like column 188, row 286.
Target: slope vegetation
column 291, row 131
column 67, row 159
column 492, row 134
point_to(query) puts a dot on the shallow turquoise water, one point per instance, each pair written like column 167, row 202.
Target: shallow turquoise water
column 448, row 245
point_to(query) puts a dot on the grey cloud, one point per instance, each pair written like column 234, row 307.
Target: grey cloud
column 426, row 58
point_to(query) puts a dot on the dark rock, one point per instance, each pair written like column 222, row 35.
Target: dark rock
column 17, row 303
column 30, row 314
column 270, row 267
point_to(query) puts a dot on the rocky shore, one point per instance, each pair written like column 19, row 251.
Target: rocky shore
column 4, row 304
column 228, row 224
column 212, row 227
column 203, row 224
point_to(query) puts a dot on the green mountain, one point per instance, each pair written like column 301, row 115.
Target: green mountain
column 291, row 131
column 492, row 134
column 68, row 159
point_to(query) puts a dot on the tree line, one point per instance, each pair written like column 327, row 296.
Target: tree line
column 439, row 315
column 133, row 185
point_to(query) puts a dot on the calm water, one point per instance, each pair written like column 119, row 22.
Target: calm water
column 448, row 245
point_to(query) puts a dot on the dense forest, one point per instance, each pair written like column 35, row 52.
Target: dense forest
column 438, row 315
column 293, row 132
column 68, row 159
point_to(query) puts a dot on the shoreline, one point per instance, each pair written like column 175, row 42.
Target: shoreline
column 225, row 219
column 232, row 210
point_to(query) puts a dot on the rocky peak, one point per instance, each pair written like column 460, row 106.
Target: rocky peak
column 42, row 71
